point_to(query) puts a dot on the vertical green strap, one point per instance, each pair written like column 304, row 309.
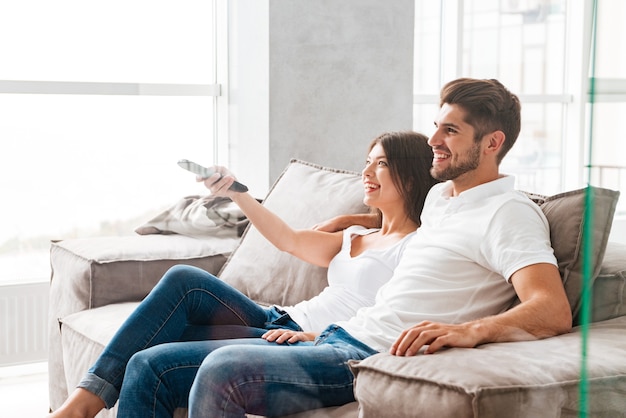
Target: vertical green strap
column 585, row 315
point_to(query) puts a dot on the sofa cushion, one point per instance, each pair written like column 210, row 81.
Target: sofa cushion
column 609, row 288
column 566, row 214
column 303, row 195
column 519, row 379
column 107, row 270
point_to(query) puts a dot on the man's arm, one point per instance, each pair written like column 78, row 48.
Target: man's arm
column 341, row 222
column 544, row 311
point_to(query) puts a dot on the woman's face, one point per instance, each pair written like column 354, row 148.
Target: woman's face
column 380, row 192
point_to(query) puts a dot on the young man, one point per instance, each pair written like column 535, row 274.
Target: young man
column 480, row 245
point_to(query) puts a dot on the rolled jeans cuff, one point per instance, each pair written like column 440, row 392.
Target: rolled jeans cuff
column 101, row 388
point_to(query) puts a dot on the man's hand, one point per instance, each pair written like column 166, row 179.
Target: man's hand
column 285, row 335
column 436, row 336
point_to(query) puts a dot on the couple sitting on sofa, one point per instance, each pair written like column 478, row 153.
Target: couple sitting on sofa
column 479, row 245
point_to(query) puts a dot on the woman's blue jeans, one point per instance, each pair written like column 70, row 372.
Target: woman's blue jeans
column 188, row 304
column 229, row 378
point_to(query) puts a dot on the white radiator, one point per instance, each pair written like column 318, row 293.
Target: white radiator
column 23, row 319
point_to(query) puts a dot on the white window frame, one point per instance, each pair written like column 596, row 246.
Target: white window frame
column 215, row 89
column 577, row 82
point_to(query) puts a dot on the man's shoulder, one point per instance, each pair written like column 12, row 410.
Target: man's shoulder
column 516, row 205
column 515, row 197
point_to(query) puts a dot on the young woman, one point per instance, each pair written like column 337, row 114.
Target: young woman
column 396, row 180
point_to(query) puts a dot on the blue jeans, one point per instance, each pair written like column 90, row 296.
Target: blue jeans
column 188, row 304
column 230, row 378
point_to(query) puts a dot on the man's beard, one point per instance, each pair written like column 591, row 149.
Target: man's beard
column 470, row 162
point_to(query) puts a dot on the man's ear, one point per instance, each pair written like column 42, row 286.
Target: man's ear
column 495, row 141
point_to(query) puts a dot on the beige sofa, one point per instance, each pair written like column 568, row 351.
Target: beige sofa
column 96, row 282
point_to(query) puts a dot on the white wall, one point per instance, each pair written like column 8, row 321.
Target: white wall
column 316, row 80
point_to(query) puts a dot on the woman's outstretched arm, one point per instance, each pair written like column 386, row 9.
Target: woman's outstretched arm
column 313, row 246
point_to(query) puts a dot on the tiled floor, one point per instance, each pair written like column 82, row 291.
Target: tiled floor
column 24, row 391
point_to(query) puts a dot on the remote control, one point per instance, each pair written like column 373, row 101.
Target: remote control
column 204, row 172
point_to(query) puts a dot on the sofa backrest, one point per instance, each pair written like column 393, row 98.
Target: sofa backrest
column 306, row 194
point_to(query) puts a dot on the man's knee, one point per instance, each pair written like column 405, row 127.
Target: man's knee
column 225, row 381
column 140, row 364
column 223, row 364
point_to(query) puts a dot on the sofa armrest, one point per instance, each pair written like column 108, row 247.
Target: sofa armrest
column 93, row 272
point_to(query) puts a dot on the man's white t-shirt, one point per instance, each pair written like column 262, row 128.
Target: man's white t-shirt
column 457, row 266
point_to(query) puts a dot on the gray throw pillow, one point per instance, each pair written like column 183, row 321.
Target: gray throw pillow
column 566, row 213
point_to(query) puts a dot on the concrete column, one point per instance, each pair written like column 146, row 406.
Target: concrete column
column 339, row 73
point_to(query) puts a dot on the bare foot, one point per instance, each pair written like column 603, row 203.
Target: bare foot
column 80, row 404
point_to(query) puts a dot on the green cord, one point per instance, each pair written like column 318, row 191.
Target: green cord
column 587, row 272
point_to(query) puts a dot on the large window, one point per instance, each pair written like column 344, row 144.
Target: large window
column 98, row 101
column 608, row 102
column 542, row 50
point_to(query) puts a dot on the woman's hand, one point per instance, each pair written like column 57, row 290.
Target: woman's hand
column 220, row 182
column 286, row 335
